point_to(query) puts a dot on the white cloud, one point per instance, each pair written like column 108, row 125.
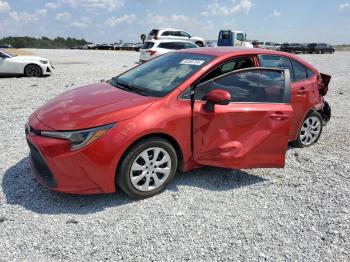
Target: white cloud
column 24, row 17
column 276, row 13
column 97, row 4
column 52, row 5
column 205, row 13
column 344, row 6
column 179, row 18
column 63, row 17
column 81, row 23
column 125, row 19
column 242, row 6
column 4, row 6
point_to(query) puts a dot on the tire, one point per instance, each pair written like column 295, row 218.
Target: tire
column 310, row 131
column 200, row 44
column 33, row 71
column 137, row 172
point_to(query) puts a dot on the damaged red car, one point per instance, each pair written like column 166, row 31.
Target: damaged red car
column 223, row 107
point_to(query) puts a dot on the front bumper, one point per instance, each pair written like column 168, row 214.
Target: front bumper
column 90, row 170
column 48, row 69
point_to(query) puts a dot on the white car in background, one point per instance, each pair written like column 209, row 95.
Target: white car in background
column 269, row 45
column 174, row 34
column 154, row 48
column 31, row 66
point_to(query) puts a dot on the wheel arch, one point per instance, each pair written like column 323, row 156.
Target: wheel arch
column 33, row 63
column 165, row 136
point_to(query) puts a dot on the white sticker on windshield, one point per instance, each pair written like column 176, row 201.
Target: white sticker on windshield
column 191, row 62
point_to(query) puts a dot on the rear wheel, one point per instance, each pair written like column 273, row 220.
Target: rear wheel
column 32, row 71
column 147, row 168
column 200, row 44
column 310, row 131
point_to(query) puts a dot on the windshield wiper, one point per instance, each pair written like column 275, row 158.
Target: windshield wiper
column 129, row 87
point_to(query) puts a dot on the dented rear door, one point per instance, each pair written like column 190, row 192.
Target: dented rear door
column 252, row 130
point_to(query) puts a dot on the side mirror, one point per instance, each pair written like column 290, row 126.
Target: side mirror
column 217, row 97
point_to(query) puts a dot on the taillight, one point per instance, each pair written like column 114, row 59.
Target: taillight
column 151, row 52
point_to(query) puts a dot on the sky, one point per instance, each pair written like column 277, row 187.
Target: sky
column 108, row 21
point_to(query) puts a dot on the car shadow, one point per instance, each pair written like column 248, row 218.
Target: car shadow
column 20, row 188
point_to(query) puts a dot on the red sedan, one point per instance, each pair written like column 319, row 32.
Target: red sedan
column 224, row 107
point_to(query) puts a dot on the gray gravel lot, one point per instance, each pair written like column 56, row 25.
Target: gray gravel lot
column 301, row 212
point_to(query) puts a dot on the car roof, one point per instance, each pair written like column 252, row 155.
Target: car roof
column 168, row 41
column 169, row 29
column 226, row 52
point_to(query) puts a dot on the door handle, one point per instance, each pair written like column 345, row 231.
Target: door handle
column 280, row 116
column 302, row 91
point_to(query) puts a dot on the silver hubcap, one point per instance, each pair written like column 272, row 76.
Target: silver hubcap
column 33, row 71
column 310, row 130
column 150, row 169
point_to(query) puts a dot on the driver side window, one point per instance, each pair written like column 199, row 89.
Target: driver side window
column 250, row 86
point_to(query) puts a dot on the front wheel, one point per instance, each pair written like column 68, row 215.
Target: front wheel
column 200, row 44
column 310, row 131
column 32, row 71
column 147, row 168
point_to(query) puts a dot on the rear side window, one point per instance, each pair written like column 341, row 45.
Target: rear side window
column 274, row 61
column 251, row 86
column 166, row 33
column 171, row 45
column 225, row 34
column 147, row 45
column 154, row 32
column 301, row 72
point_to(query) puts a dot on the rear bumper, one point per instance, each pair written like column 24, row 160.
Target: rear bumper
column 326, row 113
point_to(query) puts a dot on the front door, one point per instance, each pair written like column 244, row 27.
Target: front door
column 252, row 130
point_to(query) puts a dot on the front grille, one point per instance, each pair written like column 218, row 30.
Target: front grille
column 40, row 167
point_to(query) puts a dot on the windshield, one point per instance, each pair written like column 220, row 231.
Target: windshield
column 161, row 75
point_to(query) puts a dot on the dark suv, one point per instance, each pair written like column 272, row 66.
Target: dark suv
column 320, row 48
column 294, row 48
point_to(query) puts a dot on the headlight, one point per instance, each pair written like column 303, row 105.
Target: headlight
column 81, row 138
column 44, row 62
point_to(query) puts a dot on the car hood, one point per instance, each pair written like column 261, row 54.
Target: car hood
column 91, row 106
column 23, row 57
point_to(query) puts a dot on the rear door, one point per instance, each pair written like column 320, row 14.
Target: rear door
column 302, row 85
column 252, row 130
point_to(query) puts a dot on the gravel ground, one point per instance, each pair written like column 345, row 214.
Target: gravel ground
column 301, row 212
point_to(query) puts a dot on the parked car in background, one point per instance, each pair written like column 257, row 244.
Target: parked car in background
column 233, row 38
column 295, row 48
column 5, row 46
column 320, row 48
column 224, row 107
column 154, row 48
column 138, row 46
column 174, row 34
column 267, row 45
column 31, row 66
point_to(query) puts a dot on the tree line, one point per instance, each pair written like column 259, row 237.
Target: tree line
column 43, row 42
